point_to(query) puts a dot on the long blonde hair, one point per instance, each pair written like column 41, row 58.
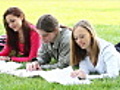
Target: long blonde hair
column 76, row 53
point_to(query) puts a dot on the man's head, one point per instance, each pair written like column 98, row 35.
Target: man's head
column 47, row 26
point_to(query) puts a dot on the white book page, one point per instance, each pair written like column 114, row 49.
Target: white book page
column 24, row 73
column 61, row 76
column 8, row 66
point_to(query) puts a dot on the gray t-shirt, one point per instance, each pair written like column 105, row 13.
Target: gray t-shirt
column 59, row 51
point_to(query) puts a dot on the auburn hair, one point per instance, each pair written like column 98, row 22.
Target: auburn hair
column 12, row 37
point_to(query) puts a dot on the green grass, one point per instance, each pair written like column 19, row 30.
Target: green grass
column 105, row 16
column 8, row 82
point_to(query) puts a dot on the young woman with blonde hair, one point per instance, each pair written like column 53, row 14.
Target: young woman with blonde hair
column 93, row 54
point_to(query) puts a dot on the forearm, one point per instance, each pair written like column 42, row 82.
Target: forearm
column 21, row 59
column 100, row 76
column 43, row 58
column 5, row 51
column 40, row 61
column 53, row 66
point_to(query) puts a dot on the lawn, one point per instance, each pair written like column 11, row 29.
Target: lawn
column 103, row 14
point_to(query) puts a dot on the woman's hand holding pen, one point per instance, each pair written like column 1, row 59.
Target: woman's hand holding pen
column 78, row 73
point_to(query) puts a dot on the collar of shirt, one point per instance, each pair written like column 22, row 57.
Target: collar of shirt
column 57, row 39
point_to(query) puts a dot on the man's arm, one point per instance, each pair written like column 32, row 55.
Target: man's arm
column 63, row 57
column 43, row 55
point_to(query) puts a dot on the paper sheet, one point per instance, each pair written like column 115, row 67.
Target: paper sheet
column 61, row 76
column 8, row 66
column 24, row 73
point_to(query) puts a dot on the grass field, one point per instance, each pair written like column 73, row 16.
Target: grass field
column 105, row 16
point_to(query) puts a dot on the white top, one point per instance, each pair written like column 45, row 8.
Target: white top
column 108, row 61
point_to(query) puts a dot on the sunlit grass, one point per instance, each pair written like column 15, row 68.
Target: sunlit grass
column 68, row 11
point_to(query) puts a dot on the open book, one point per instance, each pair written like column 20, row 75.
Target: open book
column 61, row 76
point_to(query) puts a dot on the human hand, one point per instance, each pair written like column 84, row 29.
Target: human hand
column 5, row 58
column 33, row 66
column 78, row 73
